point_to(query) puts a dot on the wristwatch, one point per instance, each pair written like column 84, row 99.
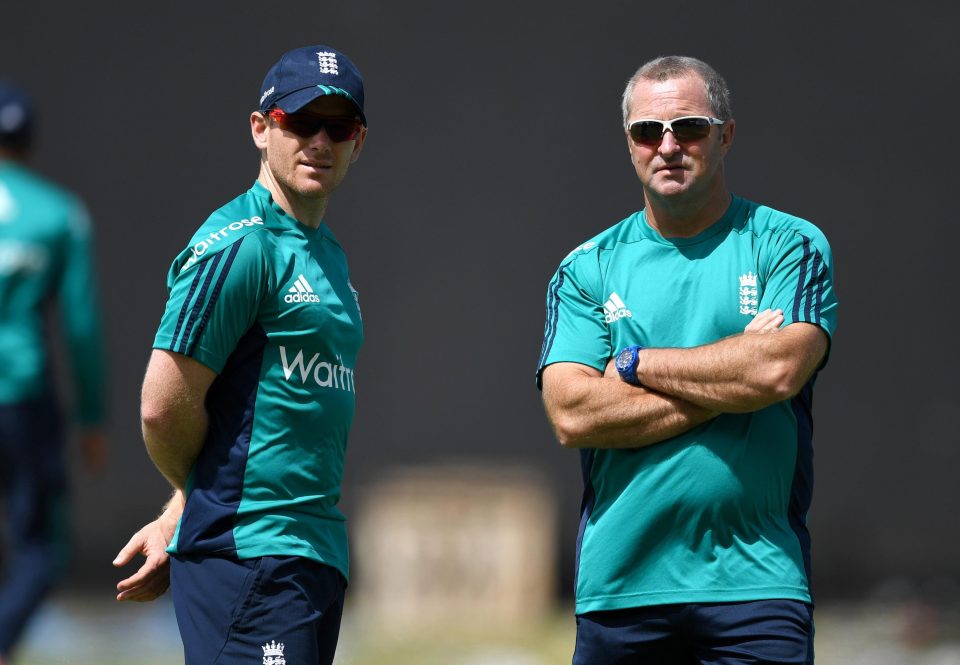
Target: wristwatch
column 627, row 364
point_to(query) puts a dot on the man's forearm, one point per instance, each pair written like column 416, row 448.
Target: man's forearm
column 738, row 374
column 173, row 414
column 596, row 412
column 174, row 443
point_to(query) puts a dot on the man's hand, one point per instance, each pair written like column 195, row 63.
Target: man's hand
column 767, row 321
column 153, row 578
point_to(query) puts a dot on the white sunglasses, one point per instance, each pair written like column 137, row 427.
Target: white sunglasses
column 686, row 128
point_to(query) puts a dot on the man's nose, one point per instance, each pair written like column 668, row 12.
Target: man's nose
column 668, row 143
column 321, row 137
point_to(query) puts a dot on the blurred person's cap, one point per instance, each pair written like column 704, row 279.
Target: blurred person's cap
column 16, row 116
column 306, row 73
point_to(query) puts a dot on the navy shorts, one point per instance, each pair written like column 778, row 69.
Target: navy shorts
column 264, row 610
column 762, row 631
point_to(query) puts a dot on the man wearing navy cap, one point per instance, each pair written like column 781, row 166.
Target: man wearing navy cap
column 46, row 255
column 249, row 393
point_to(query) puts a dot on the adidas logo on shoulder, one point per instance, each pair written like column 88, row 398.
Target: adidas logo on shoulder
column 301, row 291
column 615, row 309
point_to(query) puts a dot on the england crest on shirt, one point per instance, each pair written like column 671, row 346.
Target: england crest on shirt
column 749, row 299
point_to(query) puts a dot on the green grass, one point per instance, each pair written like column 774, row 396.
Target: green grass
column 94, row 632
column 87, row 632
column 33, row 659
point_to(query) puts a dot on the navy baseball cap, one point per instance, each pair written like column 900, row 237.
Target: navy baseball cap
column 16, row 116
column 306, row 73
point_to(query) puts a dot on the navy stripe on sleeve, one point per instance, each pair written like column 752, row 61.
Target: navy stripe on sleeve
column 216, row 289
column 184, row 342
column 186, row 304
column 553, row 314
column 801, row 281
column 813, row 314
column 819, row 297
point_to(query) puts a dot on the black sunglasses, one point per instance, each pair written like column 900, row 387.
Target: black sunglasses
column 686, row 129
column 305, row 124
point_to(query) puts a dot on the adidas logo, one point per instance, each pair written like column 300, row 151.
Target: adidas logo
column 615, row 309
column 301, row 291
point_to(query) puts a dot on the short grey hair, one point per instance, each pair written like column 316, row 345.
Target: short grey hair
column 670, row 67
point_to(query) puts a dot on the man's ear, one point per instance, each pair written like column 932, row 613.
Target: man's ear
column 726, row 135
column 258, row 129
column 358, row 146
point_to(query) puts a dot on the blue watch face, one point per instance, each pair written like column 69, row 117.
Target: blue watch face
column 624, row 359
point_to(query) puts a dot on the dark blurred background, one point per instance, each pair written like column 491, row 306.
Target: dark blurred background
column 495, row 147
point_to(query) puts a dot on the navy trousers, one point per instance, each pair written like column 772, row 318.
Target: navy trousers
column 33, row 490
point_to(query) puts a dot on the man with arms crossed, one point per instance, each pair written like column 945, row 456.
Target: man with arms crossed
column 249, row 393
column 680, row 351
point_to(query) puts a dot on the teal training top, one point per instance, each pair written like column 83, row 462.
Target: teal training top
column 46, row 256
column 266, row 302
column 717, row 514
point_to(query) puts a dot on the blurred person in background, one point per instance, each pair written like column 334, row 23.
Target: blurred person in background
column 679, row 356
column 46, row 258
column 248, row 397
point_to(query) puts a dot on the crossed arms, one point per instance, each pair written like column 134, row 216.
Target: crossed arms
column 682, row 388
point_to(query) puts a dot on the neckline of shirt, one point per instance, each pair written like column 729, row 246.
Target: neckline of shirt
column 323, row 230
column 725, row 222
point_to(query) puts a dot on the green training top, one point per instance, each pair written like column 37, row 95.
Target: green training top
column 46, row 255
column 717, row 514
column 266, row 302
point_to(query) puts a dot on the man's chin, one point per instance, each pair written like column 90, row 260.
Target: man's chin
column 670, row 188
column 312, row 189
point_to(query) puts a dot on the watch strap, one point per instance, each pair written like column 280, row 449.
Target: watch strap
column 626, row 364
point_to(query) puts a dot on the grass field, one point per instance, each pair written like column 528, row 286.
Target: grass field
column 85, row 631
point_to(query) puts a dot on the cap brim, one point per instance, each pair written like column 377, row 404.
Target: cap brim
column 297, row 99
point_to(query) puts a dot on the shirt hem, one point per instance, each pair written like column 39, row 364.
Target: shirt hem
column 627, row 601
column 313, row 555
